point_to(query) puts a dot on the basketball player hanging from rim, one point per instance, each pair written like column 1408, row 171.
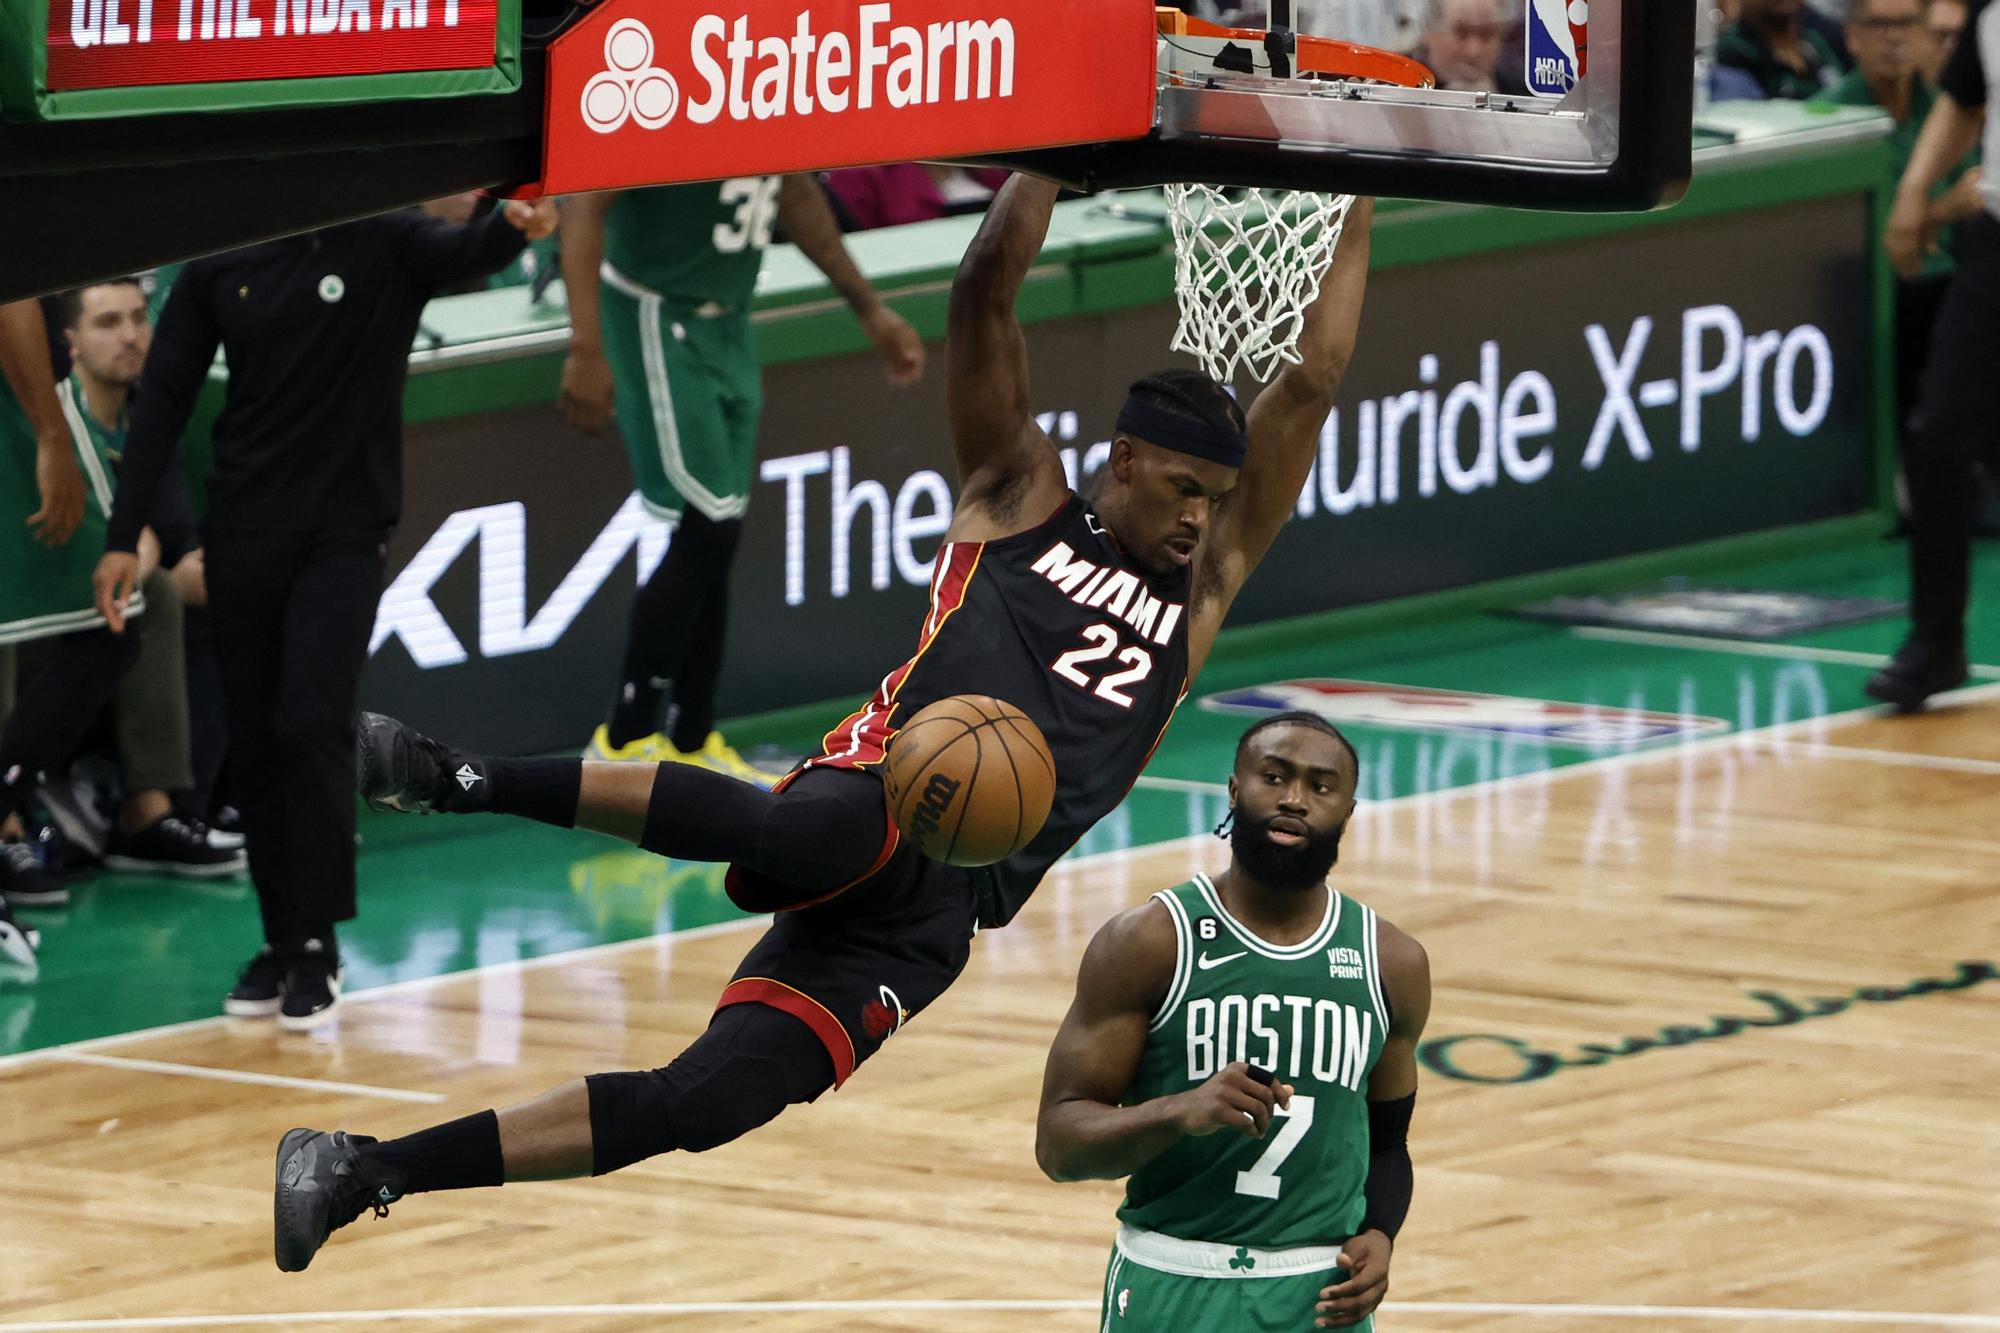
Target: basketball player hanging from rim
column 868, row 933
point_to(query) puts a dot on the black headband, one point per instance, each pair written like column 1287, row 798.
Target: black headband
column 1184, row 435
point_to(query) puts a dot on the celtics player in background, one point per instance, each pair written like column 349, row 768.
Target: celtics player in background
column 1244, row 1049
column 665, row 339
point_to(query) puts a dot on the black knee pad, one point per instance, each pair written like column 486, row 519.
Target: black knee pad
column 751, row 1064
column 817, row 842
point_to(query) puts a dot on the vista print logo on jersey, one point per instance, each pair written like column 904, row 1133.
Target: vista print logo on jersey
column 742, row 76
column 631, row 87
column 1419, row 708
column 1345, row 964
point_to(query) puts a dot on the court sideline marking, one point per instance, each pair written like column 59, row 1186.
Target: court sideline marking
column 1744, row 740
column 1703, row 643
column 248, row 1076
column 1704, row 1313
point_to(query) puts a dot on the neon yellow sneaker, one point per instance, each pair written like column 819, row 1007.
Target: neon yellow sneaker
column 647, row 749
column 719, row 756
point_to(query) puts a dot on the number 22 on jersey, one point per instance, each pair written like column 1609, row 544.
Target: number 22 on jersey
column 1102, row 643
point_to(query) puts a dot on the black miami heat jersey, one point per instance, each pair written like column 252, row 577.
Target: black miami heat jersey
column 1061, row 623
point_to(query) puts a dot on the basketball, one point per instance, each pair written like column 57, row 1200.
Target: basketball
column 969, row 780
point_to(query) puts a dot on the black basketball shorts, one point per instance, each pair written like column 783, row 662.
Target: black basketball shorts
column 856, row 968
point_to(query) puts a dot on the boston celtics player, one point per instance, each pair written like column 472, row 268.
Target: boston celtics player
column 665, row 338
column 1244, row 1049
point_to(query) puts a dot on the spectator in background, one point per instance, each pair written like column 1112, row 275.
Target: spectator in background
column 1786, row 57
column 51, row 528
column 1944, row 20
column 42, row 502
column 305, row 488
column 1829, row 18
column 1888, row 40
column 889, row 196
column 1461, row 44
column 1955, row 413
column 108, row 332
column 1393, row 25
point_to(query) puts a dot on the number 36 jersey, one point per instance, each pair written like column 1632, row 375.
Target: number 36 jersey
column 1315, row 1015
column 1060, row 622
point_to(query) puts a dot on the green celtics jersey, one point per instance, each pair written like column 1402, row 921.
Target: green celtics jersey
column 1314, row 1014
column 694, row 244
column 47, row 591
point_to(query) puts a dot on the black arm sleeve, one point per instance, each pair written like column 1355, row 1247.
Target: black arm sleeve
column 1390, row 1175
column 1964, row 75
column 441, row 254
column 176, row 367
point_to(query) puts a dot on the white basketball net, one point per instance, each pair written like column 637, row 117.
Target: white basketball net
column 1245, row 269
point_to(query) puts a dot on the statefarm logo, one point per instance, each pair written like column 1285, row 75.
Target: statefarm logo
column 631, row 87
column 741, row 76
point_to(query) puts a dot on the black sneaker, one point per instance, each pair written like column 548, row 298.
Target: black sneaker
column 322, row 1186
column 312, row 989
column 17, row 942
column 398, row 768
column 172, row 845
column 228, row 839
column 1919, row 669
column 25, row 881
column 260, row 986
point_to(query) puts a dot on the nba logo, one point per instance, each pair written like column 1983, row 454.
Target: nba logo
column 1558, row 45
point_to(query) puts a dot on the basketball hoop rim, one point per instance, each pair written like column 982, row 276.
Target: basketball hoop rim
column 1326, row 56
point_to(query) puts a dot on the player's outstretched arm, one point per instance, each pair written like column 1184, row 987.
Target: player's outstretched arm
column 1284, row 426
column 1392, row 1096
column 1008, row 471
column 809, row 221
column 1082, row 1132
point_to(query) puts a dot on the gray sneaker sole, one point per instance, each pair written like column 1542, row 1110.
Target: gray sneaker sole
column 289, row 1244
column 55, row 897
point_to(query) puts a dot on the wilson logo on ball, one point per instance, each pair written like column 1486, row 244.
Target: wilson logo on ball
column 931, row 809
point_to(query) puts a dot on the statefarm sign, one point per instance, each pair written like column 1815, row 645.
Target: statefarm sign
column 647, row 92
column 146, row 43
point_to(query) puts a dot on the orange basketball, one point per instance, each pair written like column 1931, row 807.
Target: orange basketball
column 969, row 780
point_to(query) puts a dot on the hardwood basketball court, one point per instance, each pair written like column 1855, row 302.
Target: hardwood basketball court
column 1831, row 1158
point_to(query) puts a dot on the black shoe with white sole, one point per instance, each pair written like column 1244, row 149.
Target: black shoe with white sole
column 260, row 986
column 25, row 881
column 312, row 989
column 1919, row 669
column 173, row 845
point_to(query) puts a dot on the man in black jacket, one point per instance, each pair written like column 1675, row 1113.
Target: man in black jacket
column 1955, row 431
column 305, row 488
